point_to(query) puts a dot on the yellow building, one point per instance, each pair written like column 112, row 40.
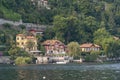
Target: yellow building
column 88, row 47
column 23, row 41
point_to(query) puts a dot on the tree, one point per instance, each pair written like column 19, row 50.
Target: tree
column 73, row 49
column 102, row 37
column 100, row 34
column 23, row 27
column 49, row 33
column 23, row 60
column 15, row 52
column 39, row 43
column 83, row 6
column 89, row 26
column 114, row 46
column 66, row 28
column 7, row 25
column 107, row 42
column 30, row 44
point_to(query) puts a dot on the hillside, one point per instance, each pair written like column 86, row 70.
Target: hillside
column 82, row 21
column 76, row 16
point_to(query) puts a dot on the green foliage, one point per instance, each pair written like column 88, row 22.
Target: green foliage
column 49, row 33
column 8, row 36
column 102, row 37
column 9, row 14
column 22, row 27
column 83, row 6
column 107, row 42
column 95, row 52
column 42, row 48
column 91, row 57
column 23, row 60
column 15, row 52
column 66, row 28
column 7, row 25
column 19, row 55
column 101, row 34
column 30, row 45
column 73, row 49
column 30, row 12
column 89, row 25
column 114, row 48
column 72, row 20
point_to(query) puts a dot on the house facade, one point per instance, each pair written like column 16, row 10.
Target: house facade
column 40, row 3
column 88, row 47
column 22, row 41
column 54, row 47
column 35, row 32
column 44, row 2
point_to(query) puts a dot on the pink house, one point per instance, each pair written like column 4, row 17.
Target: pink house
column 54, row 47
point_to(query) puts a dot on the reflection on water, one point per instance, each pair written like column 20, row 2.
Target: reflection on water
column 60, row 72
column 28, row 75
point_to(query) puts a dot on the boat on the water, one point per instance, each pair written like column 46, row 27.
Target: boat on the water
column 62, row 62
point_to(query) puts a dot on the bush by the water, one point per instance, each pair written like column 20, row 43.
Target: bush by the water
column 91, row 57
column 23, row 60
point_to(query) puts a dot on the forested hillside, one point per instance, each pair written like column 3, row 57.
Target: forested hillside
column 95, row 21
column 77, row 20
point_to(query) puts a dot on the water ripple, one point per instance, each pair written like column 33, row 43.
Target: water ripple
column 65, row 67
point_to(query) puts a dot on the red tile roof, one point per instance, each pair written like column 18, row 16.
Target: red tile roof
column 52, row 42
column 20, row 35
column 32, row 30
column 30, row 37
column 88, row 45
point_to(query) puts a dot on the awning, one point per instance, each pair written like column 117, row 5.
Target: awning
column 37, row 51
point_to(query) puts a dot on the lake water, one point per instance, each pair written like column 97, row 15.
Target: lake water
column 61, row 72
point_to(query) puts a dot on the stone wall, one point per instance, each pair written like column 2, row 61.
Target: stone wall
column 45, row 59
column 5, row 59
column 41, row 60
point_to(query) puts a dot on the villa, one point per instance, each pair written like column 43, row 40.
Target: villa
column 54, row 47
column 88, row 47
column 22, row 42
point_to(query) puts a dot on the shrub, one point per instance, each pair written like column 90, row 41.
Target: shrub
column 23, row 60
column 22, row 26
column 28, row 60
column 91, row 57
column 7, row 25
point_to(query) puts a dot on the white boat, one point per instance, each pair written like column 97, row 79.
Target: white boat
column 62, row 62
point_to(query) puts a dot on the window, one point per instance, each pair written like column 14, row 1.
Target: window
column 17, row 38
column 22, row 43
column 17, row 43
column 34, row 43
column 87, row 49
column 22, row 38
